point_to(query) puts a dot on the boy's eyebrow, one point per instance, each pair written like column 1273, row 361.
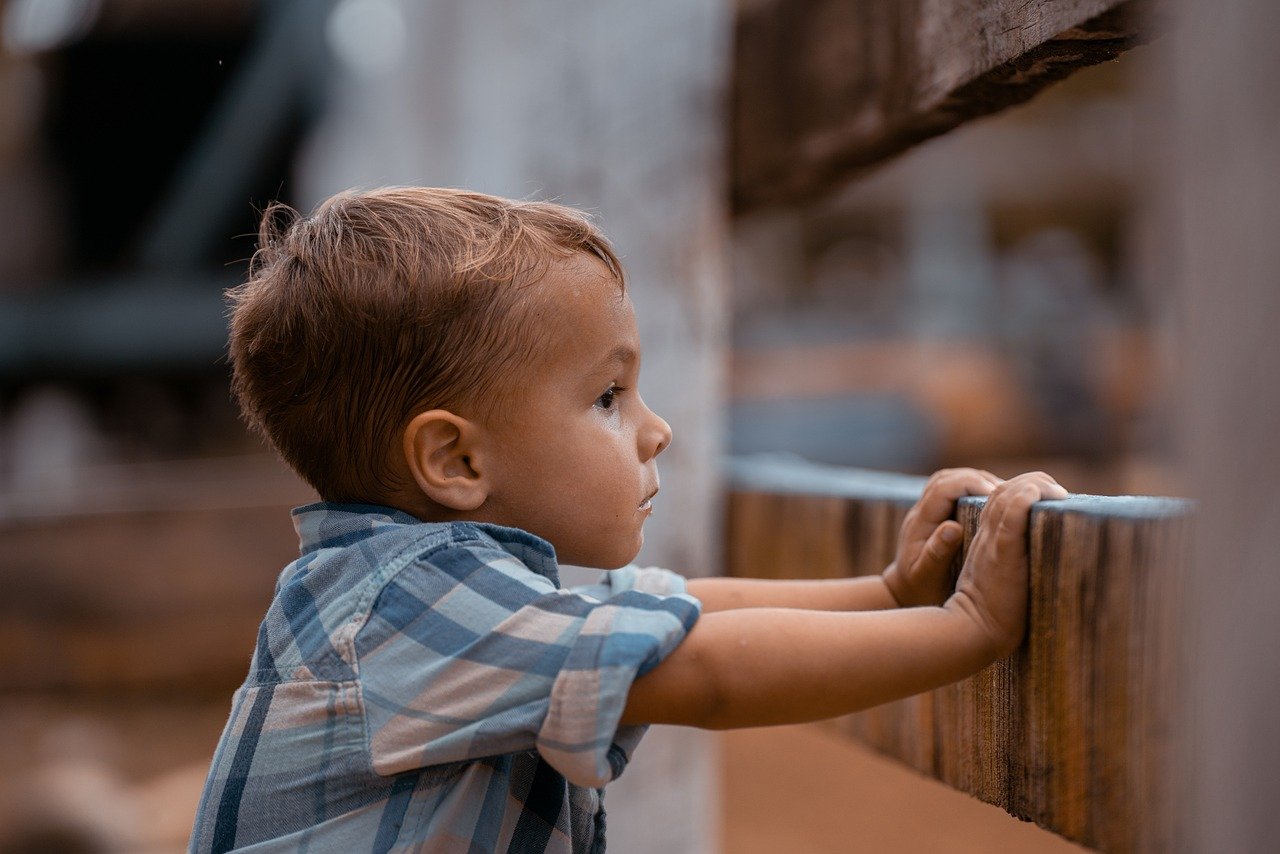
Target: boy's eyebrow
column 622, row 353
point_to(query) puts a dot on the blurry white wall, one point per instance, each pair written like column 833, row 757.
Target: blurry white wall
column 609, row 106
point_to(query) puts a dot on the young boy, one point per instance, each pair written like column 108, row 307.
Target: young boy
column 456, row 375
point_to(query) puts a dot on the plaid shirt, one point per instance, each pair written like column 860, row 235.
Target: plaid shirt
column 432, row 687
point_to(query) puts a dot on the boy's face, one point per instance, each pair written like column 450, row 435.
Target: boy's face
column 574, row 458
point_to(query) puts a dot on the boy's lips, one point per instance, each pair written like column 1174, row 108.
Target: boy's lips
column 647, row 504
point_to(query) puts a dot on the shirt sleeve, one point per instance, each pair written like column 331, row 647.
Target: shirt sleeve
column 646, row 579
column 468, row 654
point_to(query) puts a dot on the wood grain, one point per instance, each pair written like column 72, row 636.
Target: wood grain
column 1070, row 732
column 823, row 89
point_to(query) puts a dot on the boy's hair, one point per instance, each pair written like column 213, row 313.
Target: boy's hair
column 383, row 304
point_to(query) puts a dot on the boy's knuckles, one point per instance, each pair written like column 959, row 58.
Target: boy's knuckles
column 939, row 546
column 1010, row 534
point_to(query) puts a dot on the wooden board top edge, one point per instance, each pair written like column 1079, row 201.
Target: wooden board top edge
column 790, row 475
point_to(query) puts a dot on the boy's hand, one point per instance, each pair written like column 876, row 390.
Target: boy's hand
column 766, row 665
column 920, row 572
column 992, row 589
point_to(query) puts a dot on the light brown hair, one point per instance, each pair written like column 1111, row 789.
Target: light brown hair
column 383, row 304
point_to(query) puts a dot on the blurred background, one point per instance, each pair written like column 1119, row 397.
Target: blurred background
column 981, row 300
column 984, row 299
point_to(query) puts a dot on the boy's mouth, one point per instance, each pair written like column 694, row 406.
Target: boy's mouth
column 647, row 504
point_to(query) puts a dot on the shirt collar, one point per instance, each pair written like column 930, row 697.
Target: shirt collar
column 330, row 525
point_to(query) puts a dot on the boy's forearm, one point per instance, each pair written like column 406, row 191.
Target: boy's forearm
column 762, row 667
column 865, row 593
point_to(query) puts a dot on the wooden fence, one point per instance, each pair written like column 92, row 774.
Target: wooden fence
column 1070, row 732
column 145, row 579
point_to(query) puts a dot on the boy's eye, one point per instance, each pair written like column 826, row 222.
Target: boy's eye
column 606, row 400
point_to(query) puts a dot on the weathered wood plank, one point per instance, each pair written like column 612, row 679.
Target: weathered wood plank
column 1070, row 732
column 824, row 88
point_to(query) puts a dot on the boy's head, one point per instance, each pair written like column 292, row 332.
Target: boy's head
column 423, row 347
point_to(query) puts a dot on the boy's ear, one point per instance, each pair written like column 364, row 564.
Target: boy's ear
column 439, row 449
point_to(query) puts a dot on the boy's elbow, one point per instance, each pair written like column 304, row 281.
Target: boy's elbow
column 684, row 690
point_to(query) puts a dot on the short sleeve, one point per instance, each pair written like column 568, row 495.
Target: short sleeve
column 467, row 654
column 646, row 579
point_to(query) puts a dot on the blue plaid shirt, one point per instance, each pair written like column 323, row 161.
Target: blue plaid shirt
column 432, row 687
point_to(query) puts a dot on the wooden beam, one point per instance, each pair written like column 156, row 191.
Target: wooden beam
column 824, row 89
column 1070, row 732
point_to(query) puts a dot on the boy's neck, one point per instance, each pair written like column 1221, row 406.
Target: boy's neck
column 424, row 509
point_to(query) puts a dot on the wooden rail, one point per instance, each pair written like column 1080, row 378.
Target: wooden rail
column 1071, row 731
column 823, row 89
column 145, row 578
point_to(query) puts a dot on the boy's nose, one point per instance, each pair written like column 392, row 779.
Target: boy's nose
column 664, row 438
column 656, row 436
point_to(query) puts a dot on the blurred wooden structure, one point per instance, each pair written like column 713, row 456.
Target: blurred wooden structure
column 823, row 88
column 156, row 584
column 1220, row 199
column 1071, row 732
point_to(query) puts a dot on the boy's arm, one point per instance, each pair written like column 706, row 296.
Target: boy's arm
column 919, row 574
column 865, row 593
column 757, row 667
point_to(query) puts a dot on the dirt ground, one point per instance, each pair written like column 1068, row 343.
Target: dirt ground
column 804, row 790
column 98, row 774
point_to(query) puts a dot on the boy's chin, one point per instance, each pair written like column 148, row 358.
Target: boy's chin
column 609, row 558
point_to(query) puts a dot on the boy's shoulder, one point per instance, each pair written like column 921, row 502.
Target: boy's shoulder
column 364, row 571
column 374, row 543
column 372, row 579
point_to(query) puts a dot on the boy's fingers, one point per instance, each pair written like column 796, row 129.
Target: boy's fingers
column 938, row 552
column 941, row 548
column 1009, row 508
column 1005, row 516
column 993, row 480
column 944, row 488
column 1015, row 511
column 958, row 482
column 1047, row 487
